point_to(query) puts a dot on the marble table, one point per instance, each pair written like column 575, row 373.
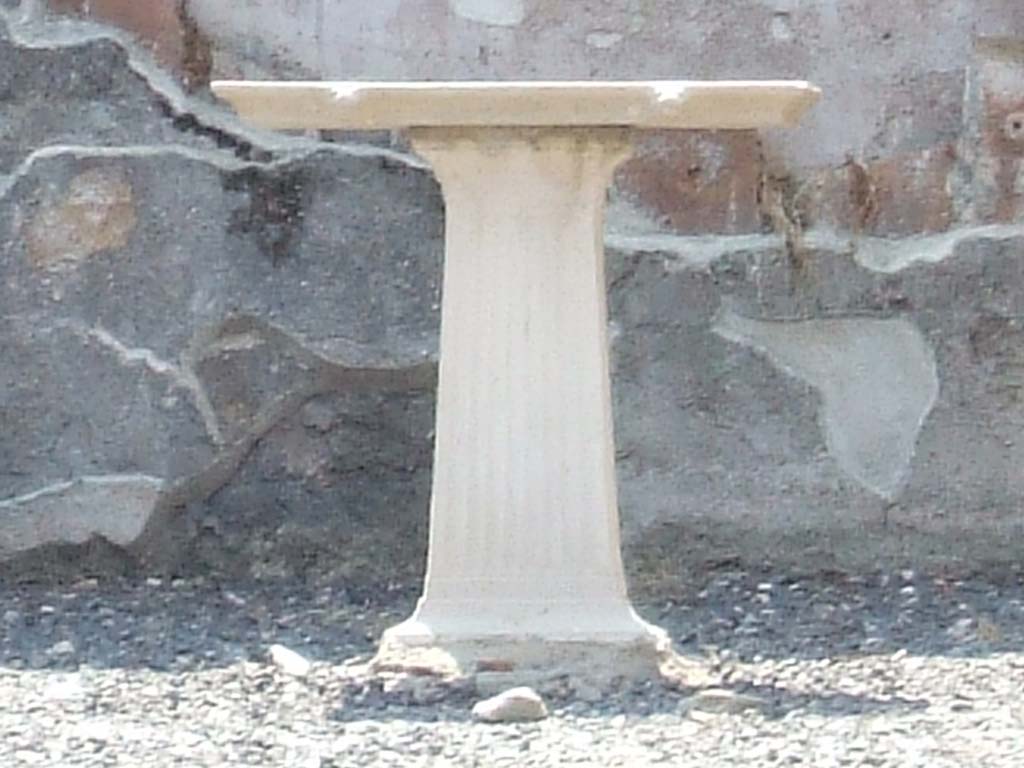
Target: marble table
column 524, row 569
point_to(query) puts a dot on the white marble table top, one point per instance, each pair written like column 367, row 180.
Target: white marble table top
column 359, row 105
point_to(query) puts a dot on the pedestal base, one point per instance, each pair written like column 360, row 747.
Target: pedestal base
column 591, row 644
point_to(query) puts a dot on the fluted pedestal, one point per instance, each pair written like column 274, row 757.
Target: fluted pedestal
column 524, row 531
column 524, row 571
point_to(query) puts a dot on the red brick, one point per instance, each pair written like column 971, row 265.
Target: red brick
column 164, row 26
column 912, row 192
column 696, row 182
column 907, row 193
column 998, row 135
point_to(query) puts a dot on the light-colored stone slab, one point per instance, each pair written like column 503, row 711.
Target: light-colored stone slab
column 652, row 104
column 288, row 661
column 115, row 507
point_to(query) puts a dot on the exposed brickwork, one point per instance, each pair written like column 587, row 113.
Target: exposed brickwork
column 912, row 192
column 946, row 145
column 164, row 26
column 697, row 182
column 999, row 130
column 904, row 194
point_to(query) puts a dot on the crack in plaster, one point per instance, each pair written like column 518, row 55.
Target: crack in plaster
column 29, row 29
column 884, row 255
column 56, row 489
column 221, row 160
column 247, row 332
column 182, row 375
column 877, row 379
column 881, row 255
column 199, row 487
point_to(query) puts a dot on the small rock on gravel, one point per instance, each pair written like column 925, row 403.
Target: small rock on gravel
column 515, row 705
column 62, row 648
column 288, row 661
column 723, row 702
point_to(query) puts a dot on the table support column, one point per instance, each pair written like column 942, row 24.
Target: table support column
column 524, row 562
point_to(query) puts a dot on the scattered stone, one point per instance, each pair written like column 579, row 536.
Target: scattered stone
column 962, row 630
column 589, row 692
column 65, row 689
column 699, row 716
column 515, row 705
column 289, row 662
column 838, row 707
column 62, row 648
column 418, row 689
column 989, row 631
column 304, row 755
column 724, row 702
column 495, row 665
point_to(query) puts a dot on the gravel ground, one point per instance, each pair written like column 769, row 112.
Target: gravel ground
column 898, row 669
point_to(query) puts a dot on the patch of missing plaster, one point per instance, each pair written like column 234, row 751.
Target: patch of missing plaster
column 501, row 13
column 96, row 214
column 116, row 507
column 877, row 379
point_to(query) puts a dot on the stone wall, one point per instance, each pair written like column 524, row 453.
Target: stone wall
column 219, row 345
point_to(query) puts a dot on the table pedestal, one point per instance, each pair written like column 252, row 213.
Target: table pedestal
column 524, row 566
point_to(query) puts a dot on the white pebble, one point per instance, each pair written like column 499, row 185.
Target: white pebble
column 513, row 706
column 62, row 648
column 288, row 661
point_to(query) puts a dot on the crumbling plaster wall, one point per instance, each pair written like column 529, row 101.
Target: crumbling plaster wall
column 218, row 344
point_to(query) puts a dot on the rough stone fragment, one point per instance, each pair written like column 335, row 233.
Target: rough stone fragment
column 62, row 648
column 143, row 353
column 724, row 702
column 78, row 402
column 513, row 706
column 85, row 94
column 114, row 507
column 288, row 661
